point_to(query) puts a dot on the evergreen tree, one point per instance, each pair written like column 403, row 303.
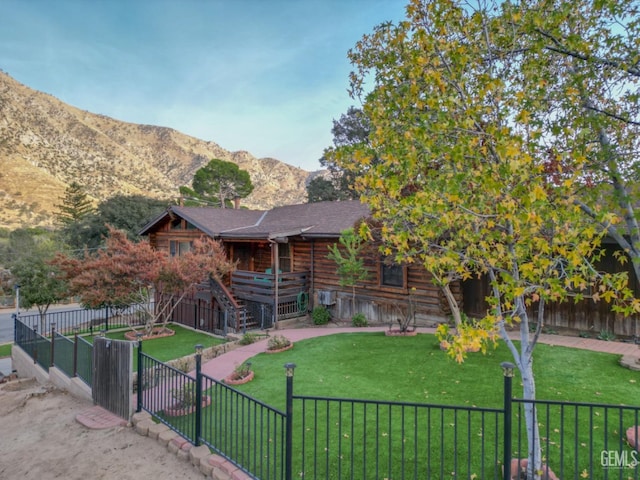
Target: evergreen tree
column 75, row 205
column 218, row 183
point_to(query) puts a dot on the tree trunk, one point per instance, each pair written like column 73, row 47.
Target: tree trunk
column 453, row 304
column 531, row 421
column 524, row 361
column 353, row 300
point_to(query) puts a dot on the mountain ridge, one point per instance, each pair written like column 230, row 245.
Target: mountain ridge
column 45, row 144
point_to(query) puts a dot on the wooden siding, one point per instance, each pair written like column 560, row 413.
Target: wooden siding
column 585, row 316
column 377, row 302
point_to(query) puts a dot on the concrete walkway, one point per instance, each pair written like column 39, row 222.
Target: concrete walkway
column 223, row 365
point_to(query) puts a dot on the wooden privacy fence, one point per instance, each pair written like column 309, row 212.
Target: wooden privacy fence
column 112, row 375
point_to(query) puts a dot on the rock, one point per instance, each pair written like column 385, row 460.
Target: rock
column 518, row 466
column 633, row 437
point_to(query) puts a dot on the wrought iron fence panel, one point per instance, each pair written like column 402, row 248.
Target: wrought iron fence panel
column 64, row 354
column 581, row 440
column 248, row 432
column 347, row 438
column 84, row 363
column 87, row 320
column 168, row 394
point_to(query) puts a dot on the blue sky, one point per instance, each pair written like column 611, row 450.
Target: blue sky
column 266, row 76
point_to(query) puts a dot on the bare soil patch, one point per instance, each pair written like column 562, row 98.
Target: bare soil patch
column 40, row 439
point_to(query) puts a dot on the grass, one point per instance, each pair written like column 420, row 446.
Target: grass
column 5, row 350
column 169, row 348
column 413, row 369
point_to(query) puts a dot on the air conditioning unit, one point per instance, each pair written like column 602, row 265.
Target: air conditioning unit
column 326, row 297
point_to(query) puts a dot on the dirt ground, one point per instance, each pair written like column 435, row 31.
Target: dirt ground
column 40, row 440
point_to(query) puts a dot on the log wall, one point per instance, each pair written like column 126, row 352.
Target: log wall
column 379, row 303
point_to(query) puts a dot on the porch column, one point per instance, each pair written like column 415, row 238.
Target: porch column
column 276, row 263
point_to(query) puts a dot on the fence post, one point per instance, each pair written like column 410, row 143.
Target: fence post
column 140, row 373
column 288, row 454
column 14, row 317
column 198, row 416
column 195, row 315
column 507, row 369
column 106, row 319
column 35, row 344
column 53, row 343
column 75, row 350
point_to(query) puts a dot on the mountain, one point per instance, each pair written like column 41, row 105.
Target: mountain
column 46, row 144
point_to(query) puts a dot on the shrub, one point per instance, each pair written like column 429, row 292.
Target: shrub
column 320, row 316
column 185, row 397
column 359, row 320
column 248, row 339
column 242, row 370
column 277, row 342
column 606, row 335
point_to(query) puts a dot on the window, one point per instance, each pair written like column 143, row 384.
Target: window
column 392, row 275
column 284, row 257
column 177, row 248
column 176, row 224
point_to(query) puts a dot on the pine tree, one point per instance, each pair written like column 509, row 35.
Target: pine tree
column 75, row 205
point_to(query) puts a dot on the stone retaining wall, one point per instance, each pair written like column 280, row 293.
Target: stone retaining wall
column 209, row 464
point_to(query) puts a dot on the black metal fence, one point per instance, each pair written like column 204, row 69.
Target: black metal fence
column 329, row 438
column 73, row 356
column 202, row 317
column 83, row 360
column 581, row 440
column 87, row 320
column 204, row 411
column 345, row 438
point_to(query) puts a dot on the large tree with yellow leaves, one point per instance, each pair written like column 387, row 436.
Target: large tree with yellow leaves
column 494, row 129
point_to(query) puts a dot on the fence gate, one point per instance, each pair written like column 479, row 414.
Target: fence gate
column 112, row 376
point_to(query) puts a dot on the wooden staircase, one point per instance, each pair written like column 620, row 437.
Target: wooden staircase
column 239, row 319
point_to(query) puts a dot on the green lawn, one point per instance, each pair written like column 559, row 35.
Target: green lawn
column 413, row 369
column 5, row 350
column 169, row 348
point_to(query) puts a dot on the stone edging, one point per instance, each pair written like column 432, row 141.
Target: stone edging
column 209, row 464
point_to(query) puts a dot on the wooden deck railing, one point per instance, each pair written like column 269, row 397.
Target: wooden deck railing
column 261, row 287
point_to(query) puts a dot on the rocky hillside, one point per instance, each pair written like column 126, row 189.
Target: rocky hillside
column 46, row 144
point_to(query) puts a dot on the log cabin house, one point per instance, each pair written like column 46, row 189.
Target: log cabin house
column 283, row 271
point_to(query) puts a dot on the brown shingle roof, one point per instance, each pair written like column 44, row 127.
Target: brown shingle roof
column 321, row 219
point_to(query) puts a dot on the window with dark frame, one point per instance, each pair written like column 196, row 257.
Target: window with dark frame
column 284, row 257
column 392, row 274
column 177, row 248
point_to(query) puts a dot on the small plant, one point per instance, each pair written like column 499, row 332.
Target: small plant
column 242, row 371
column 320, row 316
column 359, row 320
column 278, row 342
column 606, row 335
column 549, row 331
column 248, row 339
column 406, row 318
column 584, row 335
column 185, row 397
